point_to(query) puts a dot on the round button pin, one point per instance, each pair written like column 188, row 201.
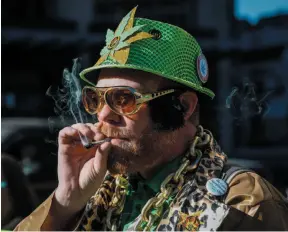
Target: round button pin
column 216, row 186
column 202, row 68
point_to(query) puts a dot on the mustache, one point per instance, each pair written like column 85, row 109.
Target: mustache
column 115, row 132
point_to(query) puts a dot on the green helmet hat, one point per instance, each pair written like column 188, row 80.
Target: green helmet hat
column 154, row 47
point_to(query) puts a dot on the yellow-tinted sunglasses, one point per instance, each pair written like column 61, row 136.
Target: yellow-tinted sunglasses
column 123, row 100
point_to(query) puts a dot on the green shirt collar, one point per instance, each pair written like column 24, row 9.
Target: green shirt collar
column 155, row 182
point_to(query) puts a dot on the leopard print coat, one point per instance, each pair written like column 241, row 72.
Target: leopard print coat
column 193, row 207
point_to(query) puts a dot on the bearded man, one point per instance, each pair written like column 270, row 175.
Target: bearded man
column 159, row 170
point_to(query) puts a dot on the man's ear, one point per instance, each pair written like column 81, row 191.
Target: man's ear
column 189, row 101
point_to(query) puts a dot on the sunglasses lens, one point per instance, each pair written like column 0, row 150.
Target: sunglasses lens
column 122, row 101
column 90, row 100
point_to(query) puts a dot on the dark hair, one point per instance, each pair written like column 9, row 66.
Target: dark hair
column 167, row 112
column 24, row 201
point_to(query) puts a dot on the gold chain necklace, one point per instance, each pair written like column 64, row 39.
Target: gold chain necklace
column 172, row 184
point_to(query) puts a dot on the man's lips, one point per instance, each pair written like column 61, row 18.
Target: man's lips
column 117, row 141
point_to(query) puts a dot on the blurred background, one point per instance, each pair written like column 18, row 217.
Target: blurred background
column 246, row 45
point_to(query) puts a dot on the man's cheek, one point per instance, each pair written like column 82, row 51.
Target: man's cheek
column 143, row 114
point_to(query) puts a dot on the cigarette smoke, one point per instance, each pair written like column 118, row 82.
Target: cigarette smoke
column 68, row 105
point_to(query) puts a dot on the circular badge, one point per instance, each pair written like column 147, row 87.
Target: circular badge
column 216, row 186
column 202, row 68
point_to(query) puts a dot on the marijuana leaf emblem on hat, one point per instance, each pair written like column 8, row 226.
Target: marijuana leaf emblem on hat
column 118, row 42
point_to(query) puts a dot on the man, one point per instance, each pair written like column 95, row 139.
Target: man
column 165, row 172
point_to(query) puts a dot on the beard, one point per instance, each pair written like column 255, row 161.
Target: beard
column 133, row 154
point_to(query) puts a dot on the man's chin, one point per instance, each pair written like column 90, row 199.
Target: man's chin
column 117, row 163
column 117, row 169
column 124, row 158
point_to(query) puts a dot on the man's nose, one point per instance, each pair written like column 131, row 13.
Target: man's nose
column 108, row 116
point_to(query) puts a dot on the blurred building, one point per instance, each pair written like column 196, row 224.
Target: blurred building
column 40, row 38
column 260, row 59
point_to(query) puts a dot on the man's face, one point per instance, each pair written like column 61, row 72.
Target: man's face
column 137, row 146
